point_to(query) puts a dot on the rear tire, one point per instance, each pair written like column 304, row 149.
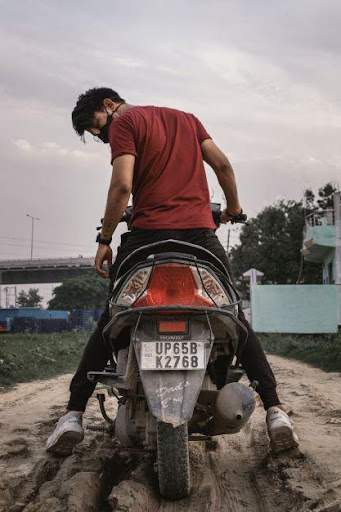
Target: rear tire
column 173, row 461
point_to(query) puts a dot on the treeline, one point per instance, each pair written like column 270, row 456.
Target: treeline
column 273, row 239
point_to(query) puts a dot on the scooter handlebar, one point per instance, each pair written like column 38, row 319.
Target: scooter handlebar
column 216, row 213
column 241, row 218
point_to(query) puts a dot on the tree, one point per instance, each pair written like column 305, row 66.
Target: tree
column 326, row 196
column 309, row 199
column 30, row 299
column 272, row 243
column 87, row 292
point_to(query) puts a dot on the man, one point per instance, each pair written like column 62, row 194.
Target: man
column 157, row 155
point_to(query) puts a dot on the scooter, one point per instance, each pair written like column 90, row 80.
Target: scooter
column 176, row 373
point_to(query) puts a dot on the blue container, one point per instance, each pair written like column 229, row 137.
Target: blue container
column 32, row 313
column 21, row 324
column 84, row 318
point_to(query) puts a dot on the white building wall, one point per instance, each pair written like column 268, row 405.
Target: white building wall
column 337, row 210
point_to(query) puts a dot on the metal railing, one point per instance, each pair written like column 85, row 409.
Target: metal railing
column 321, row 218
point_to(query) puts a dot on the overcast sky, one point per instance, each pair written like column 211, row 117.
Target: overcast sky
column 264, row 77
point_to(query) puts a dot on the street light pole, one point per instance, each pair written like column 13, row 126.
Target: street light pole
column 32, row 231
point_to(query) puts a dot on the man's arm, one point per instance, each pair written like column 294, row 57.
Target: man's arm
column 117, row 201
column 214, row 157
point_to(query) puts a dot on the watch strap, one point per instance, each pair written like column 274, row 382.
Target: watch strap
column 103, row 241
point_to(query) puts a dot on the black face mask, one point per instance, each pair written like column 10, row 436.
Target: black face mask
column 104, row 131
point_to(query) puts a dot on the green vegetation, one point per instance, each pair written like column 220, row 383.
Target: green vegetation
column 86, row 292
column 272, row 242
column 30, row 299
column 320, row 350
column 26, row 357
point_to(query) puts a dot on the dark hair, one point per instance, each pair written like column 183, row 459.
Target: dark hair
column 89, row 103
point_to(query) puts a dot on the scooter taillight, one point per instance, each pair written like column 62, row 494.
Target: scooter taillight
column 173, row 284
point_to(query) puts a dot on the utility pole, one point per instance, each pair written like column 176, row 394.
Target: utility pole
column 228, row 241
column 32, row 231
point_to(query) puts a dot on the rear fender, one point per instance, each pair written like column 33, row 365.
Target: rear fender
column 172, row 394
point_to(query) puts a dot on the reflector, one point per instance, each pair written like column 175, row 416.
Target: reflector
column 172, row 326
column 134, row 287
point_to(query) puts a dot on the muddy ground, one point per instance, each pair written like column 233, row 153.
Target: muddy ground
column 239, row 475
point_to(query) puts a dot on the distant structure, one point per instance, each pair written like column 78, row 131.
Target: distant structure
column 254, row 276
column 14, row 272
column 300, row 308
column 322, row 244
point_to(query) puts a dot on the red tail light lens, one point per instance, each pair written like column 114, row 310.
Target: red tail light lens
column 173, row 285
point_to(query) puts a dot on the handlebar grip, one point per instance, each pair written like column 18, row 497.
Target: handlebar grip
column 127, row 215
column 241, row 218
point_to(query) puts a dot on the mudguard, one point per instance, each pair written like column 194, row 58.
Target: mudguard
column 172, row 394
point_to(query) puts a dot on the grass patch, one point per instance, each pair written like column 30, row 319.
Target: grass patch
column 26, row 357
column 320, row 350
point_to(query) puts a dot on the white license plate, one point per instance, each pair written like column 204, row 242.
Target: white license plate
column 175, row 355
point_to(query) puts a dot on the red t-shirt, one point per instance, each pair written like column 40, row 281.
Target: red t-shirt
column 170, row 188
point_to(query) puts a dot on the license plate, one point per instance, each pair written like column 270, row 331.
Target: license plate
column 177, row 355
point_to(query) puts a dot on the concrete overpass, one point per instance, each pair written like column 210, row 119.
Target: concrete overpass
column 43, row 270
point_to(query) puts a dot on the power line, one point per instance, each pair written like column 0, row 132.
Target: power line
column 53, row 249
column 43, row 241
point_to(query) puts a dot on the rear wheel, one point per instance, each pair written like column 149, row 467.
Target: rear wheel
column 173, row 461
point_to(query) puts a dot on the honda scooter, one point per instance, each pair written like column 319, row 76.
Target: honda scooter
column 175, row 372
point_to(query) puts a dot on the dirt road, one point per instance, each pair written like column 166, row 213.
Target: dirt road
column 239, row 475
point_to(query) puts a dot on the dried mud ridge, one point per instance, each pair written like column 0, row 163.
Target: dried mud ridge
column 237, row 473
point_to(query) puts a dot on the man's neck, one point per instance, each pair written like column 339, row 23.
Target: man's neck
column 124, row 107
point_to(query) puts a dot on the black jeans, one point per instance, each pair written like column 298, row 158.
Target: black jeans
column 96, row 354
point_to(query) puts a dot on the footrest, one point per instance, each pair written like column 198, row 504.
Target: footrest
column 234, row 375
column 108, row 377
column 199, row 438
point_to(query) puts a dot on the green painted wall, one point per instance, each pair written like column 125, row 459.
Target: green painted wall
column 322, row 235
column 294, row 308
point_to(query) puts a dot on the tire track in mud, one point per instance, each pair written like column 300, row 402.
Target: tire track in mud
column 239, row 474
column 242, row 475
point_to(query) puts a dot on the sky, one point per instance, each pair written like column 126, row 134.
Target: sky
column 264, row 77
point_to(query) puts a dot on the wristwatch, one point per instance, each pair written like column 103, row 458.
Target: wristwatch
column 103, row 241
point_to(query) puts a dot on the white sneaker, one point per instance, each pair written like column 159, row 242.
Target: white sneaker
column 280, row 430
column 67, row 434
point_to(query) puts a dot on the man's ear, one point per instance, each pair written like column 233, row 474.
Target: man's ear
column 109, row 104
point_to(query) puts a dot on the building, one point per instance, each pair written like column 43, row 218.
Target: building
column 313, row 308
column 322, row 244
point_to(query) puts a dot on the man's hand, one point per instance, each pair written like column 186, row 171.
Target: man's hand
column 227, row 216
column 104, row 253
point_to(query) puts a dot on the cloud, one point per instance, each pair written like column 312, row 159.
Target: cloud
column 128, row 62
column 22, row 144
column 264, row 78
column 53, row 149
